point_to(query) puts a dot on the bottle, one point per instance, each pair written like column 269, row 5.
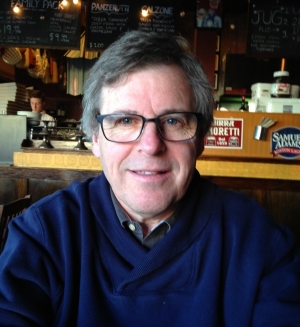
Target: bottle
column 243, row 104
column 217, row 105
column 281, row 87
column 30, row 134
column 62, row 77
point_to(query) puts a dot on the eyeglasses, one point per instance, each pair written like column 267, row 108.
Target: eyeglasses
column 123, row 128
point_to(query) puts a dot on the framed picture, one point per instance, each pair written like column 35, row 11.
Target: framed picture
column 216, row 82
column 209, row 14
column 216, row 62
column 218, row 43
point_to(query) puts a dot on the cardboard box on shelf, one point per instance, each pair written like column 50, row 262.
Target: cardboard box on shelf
column 260, row 90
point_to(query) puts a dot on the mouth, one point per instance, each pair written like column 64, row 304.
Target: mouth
column 143, row 172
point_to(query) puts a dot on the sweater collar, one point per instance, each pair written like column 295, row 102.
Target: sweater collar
column 196, row 211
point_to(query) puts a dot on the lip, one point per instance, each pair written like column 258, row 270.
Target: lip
column 149, row 172
column 150, row 175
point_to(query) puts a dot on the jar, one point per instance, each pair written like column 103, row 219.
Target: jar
column 281, row 88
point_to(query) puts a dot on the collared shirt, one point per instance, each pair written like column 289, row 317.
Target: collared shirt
column 156, row 233
column 47, row 118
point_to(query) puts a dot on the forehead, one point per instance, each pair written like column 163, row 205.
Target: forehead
column 38, row 100
column 158, row 88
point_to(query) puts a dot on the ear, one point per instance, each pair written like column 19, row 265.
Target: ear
column 200, row 147
column 95, row 147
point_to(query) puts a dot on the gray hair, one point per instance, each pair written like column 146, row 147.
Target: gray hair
column 135, row 51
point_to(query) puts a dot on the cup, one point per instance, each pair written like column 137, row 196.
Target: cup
column 260, row 133
column 295, row 91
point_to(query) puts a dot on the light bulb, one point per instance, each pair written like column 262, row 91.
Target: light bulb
column 16, row 9
column 144, row 11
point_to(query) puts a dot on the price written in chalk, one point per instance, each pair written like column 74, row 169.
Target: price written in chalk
column 9, row 29
column 96, row 45
column 59, row 37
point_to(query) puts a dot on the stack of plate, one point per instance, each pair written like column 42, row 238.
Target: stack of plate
column 33, row 118
column 13, row 97
column 30, row 114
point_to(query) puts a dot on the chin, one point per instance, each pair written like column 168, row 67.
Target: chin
column 151, row 206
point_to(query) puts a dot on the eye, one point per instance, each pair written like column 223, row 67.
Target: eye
column 172, row 121
column 124, row 121
column 178, row 121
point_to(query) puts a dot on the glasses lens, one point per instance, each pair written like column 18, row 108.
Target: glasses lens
column 122, row 128
column 178, row 126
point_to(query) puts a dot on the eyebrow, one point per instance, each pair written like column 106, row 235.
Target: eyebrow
column 134, row 112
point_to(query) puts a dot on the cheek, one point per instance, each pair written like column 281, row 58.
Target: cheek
column 110, row 153
column 95, row 147
column 186, row 158
column 200, row 147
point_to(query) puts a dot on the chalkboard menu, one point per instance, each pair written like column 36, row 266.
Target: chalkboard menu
column 108, row 19
column 40, row 24
column 158, row 17
column 274, row 28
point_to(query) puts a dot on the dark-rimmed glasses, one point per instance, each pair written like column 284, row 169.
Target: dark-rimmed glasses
column 123, row 128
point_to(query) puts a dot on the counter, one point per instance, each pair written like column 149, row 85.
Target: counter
column 206, row 165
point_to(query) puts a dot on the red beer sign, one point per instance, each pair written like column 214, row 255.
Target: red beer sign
column 225, row 133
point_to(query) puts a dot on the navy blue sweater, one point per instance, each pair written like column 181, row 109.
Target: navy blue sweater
column 69, row 262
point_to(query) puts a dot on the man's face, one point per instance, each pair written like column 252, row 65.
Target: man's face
column 148, row 176
column 36, row 104
column 201, row 13
column 214, row 4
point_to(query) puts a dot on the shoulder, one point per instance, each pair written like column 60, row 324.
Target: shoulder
column 245, row 222
column 62, row 217
column 62, row 206
column 74, row 196
column 45, row 116
column 235, row 212
column 239, row 212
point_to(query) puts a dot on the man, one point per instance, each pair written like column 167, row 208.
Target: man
column 148, row 242
column 212, row 18
column 38, row 103
column 200, row 14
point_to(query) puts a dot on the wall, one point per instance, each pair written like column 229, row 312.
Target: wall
column 234, row 41
column 7, row 72
column 233, row 38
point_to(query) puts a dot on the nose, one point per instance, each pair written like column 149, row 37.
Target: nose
column 150, row 141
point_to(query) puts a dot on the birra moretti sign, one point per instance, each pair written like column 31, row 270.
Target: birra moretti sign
column 285, row 142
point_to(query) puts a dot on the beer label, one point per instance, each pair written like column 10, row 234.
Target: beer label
column 285, row 142
column 279, row 89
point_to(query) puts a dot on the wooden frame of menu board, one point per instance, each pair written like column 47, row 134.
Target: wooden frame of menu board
column 40, row 24
column 274, row 28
